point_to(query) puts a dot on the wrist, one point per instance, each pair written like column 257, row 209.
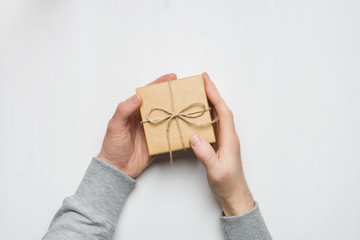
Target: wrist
column 102, row 157
column 237, row 205
column 115, row 164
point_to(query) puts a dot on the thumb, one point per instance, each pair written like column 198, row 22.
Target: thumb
column 203, row 150
column 126, row 108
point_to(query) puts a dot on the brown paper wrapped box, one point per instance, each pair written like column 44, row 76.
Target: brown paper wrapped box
column 162, row 102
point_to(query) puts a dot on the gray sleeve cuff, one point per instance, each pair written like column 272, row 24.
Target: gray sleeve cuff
column 250, row 225
column 104, row 190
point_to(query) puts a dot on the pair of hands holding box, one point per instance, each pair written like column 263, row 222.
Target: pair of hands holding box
column 125, row 147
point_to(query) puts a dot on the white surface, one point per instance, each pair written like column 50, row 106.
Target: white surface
column 289, row 70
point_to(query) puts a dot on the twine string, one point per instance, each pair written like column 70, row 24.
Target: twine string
column 171, row 115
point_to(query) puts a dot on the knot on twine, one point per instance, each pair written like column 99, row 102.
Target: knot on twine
column 171, row 115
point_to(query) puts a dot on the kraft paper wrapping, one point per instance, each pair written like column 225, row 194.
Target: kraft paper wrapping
column 185, row 92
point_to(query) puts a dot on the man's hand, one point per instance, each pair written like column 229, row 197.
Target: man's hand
column 224, row 168
column 124, row 145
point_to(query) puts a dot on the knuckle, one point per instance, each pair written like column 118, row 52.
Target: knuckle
column 219, row 177
column 110, row 125
column 237, row 140
column 120, row 106
column 213, row 88
column 209, row 156
column 228, row 113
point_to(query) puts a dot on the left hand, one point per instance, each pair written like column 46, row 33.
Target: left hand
column 124, row 145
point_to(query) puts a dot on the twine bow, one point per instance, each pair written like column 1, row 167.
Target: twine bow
column 171, row 115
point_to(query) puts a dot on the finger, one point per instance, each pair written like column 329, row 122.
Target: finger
column 225, row 127
column 171, row 76
column 204, row 151
column 126, row 109
column 215, row 98
column 216, row 125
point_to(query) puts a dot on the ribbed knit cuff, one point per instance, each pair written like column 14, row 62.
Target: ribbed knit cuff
column 250, row 225
column 104, row 189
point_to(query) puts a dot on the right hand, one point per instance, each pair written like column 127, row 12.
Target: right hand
column 224, row 168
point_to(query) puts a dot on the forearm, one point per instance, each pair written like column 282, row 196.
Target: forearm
column 93, row 211
column 248, row 226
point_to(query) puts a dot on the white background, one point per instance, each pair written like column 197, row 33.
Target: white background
column 289, row 70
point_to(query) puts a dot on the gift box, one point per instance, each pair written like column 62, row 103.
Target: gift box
column 173, row 111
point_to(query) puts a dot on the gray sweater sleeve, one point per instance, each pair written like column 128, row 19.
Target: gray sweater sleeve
column 248, row 226
column 93, row 211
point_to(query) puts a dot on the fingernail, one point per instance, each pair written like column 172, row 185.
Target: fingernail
column 195, row 140
column 134, row 99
